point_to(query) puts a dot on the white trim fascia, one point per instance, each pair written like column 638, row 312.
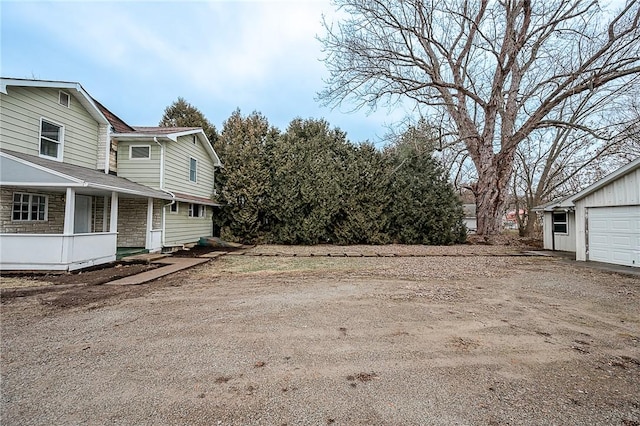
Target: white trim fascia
column 174, row 137
column 125, row 191
column 41, row 168
column 605, row 180
column 45, row 184
column 136, row 136
column 203, row 140
column 85, row 99
column 207, row 146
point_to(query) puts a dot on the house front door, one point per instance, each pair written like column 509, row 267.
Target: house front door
column 82, row 216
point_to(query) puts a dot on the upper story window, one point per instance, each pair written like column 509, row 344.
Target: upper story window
column 51, row 139
column 193, row 169
column 29, row 207
column 64, row 99
column 194, row 139
column 560, row 223
column 140, row 152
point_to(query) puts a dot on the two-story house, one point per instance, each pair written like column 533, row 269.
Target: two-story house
column 77, row 182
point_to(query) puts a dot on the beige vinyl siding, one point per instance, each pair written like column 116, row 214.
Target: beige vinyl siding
column 177, row 155
column 145, row 172
column 181, row 229
column 22, row 109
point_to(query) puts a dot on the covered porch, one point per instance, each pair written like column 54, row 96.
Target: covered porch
column 69, row 219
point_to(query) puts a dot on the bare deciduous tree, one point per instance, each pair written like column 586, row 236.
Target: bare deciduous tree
column 496, row 69
column 555, row 162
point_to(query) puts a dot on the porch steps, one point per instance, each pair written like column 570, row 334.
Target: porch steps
column 123, row 252
column 144, row 257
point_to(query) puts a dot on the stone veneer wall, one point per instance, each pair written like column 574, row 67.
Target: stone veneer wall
column 97, row 205
column 158, row 205
column 55, row 214
column 132, row 221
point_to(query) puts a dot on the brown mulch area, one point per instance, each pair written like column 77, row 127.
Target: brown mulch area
column 91, row 276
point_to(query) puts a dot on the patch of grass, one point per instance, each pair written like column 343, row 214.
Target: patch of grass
column 254, row 264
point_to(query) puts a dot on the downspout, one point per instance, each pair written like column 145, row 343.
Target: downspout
column 155, row 139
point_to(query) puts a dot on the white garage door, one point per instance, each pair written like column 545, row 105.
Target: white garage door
column 614, row 235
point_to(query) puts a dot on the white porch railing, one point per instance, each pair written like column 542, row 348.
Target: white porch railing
column 56, row 251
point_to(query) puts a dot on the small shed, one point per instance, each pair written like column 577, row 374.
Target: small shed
column 600, row 223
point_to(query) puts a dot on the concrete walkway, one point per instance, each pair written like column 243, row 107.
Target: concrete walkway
column 173, row 264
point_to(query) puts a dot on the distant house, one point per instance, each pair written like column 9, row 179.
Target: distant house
column 77, row 183
column 600, row 223
column 470, row 219
column 510, row 219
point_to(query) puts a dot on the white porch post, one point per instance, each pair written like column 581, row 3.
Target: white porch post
column 113, row 218
column 69, row 221
column 149, row 240
column 69, row 211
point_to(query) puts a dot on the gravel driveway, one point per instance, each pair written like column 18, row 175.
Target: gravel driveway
column 472, row 336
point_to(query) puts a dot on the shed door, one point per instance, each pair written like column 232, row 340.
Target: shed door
column 614, row 235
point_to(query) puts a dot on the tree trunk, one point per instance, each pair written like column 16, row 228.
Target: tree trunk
column 491, row 194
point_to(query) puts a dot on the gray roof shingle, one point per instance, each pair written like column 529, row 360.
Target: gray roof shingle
column 92, row 178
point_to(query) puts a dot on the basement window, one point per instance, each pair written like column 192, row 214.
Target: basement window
column 560, row 223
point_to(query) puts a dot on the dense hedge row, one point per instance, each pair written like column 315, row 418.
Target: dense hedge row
column 309, row 185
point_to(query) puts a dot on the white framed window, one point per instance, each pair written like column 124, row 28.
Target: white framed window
column 64, row 99
column 194, row 139
column 51, row 139
column 193, row 169
column 140, row 152
column 560, row 223
column 197, row 210
column 29, row 207
column 173, row 208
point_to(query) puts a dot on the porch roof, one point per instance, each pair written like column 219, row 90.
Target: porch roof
column 18, row 169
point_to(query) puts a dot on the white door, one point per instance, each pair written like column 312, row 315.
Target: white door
column 82, row 216
column 614, row 235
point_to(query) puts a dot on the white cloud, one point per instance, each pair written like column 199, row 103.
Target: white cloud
column 139, row 56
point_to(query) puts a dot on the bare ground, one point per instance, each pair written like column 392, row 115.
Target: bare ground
column 460, row 335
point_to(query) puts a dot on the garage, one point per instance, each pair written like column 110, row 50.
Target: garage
column 614, row 235
column 601, row 223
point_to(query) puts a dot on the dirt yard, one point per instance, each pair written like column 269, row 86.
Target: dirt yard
column 457, row 335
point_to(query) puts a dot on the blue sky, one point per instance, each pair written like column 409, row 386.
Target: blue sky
column 138, row 57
